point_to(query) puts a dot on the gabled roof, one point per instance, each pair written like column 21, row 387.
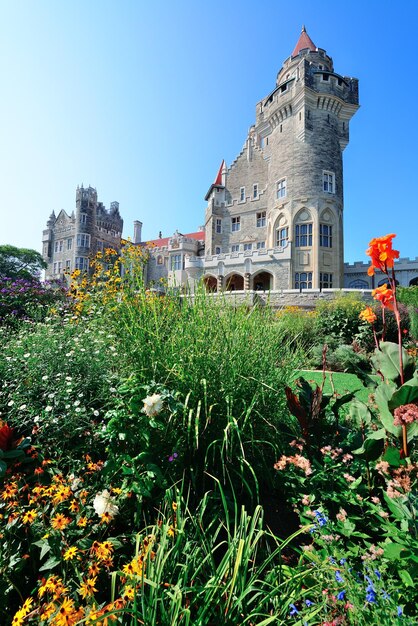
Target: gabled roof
column 304, row 41
column 163, row 242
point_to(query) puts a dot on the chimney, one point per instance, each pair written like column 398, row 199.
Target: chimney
column 137, row 231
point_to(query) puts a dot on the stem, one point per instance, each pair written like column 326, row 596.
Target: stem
column 398, row 322
column 404, row 440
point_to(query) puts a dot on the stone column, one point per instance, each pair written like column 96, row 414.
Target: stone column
column 247, row 277
column 220, row 283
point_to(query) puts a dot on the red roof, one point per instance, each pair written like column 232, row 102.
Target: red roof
column 160, row 243
column 218, row 179
column 304, row 41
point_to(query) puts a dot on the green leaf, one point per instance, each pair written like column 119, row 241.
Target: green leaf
column 393, row 551
column 406, row 394
column 383, row 394
column 359, row 413
column 406, row 578
column 50, row 564
column 399, row 510
column 386, row 360
column 3, row 468
column 377, row 434
column 45, row 549
column 392, row 456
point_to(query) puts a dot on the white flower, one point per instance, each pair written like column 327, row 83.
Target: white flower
column 104, row 503
column 122, row 436
column 96, row 413
column 10, row 403
column 78, row 410
column 22, row 407
column 27, row 355
column 45, row 377
column 48, row 409
column 36, row 419
column 152, row 405
column 77, row 402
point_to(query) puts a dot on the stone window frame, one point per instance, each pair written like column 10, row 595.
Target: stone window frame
column 325, row 280
column 68, row 265
column 328, row 181
column 242, row 194
column 303, row 280
column 83, row 218
column 261, row 219
column 248, row 247
column 218, row 250
column 218, row 226
column 235, row 224
column 281, row 190
column 325, row 235
column 300, row 235
column 69, row 243
column 235, row 247
column 176, row 262
column 83, row 240
column 160, row 260
column 261, row 245
column 255, row 191
column 282, row 236
column 82, row 263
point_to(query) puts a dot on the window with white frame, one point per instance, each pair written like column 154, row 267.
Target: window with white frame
column 281, row 188
column 303, row 235
column 235, row 247
column 83, row 218
column 55, row 267
column 235, row 224
column 68, row 266
column 56, row 246
column 328, row 179
column 303, row 280
column 59, row 267
column 69, row 243
column 83, row 240
column 242, row 194
column 282, row 236
column 325, row 235
column 176, row 262
column 261, row 245
column 261, row 219
column 325, row 280
column 218, row 250
column 81, row 263
column 255, row 190
column 100, row 245
column 219, row 226
column 248, row 246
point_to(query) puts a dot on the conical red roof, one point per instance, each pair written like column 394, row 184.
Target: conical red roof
column 218, row 179
column 304, row 41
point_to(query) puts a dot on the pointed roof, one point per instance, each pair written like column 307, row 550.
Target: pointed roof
column 304, row 41
column 218, row 179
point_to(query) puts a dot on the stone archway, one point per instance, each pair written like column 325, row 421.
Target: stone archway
column 211, row 283
column 263, row 281
column 413, row 282
column 234, row 282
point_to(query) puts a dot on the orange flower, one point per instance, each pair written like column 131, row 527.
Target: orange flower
column 59, row 521
column 381, row 253
column 30, row 516
column 87, row 587
column 384, row 295
column 368, row 315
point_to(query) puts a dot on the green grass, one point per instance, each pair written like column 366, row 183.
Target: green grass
column 342, row 383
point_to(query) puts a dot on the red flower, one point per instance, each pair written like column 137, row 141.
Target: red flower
column 6, row 436
column 381, row 253
column 384, row 295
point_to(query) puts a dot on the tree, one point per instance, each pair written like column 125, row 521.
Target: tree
column 20, row 262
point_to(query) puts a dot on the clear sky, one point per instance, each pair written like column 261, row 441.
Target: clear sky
column 143, row 100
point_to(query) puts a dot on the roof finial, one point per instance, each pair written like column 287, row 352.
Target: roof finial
column 303, row 28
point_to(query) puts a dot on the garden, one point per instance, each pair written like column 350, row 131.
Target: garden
column 174, row 460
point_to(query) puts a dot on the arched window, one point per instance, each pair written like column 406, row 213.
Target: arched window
column 358, row 284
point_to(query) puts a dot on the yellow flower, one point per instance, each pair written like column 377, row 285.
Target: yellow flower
column 30, row 516
column 128, row 593
column 82, row 522
column 59, row 522
column 368, row 315
column 87, row 587
column 70, row 554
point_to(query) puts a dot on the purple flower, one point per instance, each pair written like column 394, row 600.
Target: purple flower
column 172, row 457
column 338, row 577
column 341, row 595
column 308, row 602
column 293, row 610
column 399, row 610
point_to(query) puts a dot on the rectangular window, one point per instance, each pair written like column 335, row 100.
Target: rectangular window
column 303, row 235
column 261, row 219
column 303, row 280
column 325, row 235
column 61, row 245
column 55, row 267
column 83, row 218
column 68, row 266
column 100, row 246
column 176, row 262
column 248, row 246
column 81, row 263
column 56, row 246
column 69, row 243
column 242, row 194
column 218, row 250
column 59, row 267
column 325, row 280
column 83, row 240
column 281, row 188
column 236, row 224
column 261, row 245
column 219, row 226
column 282, row 236
column 329, row 182
column 235, row 247
column 255, row 190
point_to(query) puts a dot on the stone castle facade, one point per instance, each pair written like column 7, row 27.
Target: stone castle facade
column 274, row 217
column 69, row 241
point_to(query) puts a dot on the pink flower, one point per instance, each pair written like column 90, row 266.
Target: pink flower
column 342, row 515
column 405, row 414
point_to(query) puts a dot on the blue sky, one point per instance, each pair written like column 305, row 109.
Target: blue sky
column 143, row 100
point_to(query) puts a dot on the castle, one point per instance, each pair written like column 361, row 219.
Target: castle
column 274, row 217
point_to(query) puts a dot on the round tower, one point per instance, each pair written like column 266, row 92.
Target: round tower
column 303, row 127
